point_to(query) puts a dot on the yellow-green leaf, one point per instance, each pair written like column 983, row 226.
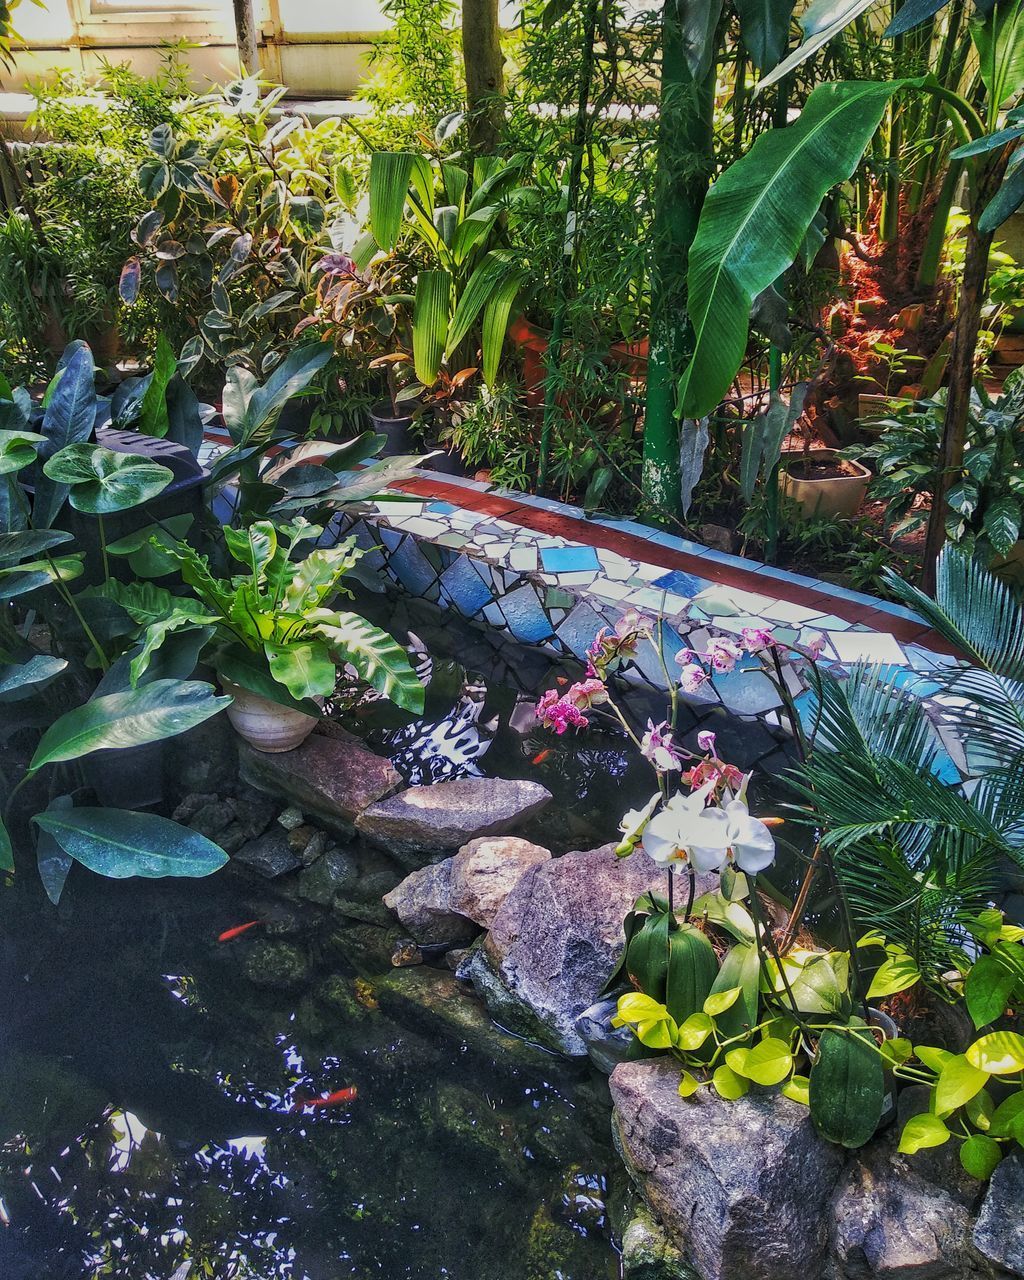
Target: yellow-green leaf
column 1000, row 1053
column 797, row 1088
column 958, row 1082
column 922, row 1131
column 979, row 1155
column 719, row 1001
column 694, row 1031
column 896, row 973
column 768, row 1062
column 688, row 1085
column 728, row 1084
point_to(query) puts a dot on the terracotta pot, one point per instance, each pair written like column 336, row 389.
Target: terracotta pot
column 265, row 725
column 832, row 496
column 533, row 343
column 631, row 356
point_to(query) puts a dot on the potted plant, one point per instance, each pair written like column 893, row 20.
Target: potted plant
column 270, row 633
column 824, row 483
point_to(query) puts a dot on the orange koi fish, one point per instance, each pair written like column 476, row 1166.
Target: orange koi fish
column 228, row 934
column 332, row 1099
column 541, row 756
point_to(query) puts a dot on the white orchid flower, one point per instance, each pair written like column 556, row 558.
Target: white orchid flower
column 686, row 834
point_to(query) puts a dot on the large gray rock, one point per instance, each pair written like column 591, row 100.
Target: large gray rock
column 890, row 1223
column 422, row 822
column 556, row 939
column 742, row 1187
column 999, row 1233
column 450, row 901
column 331, row 778
column 648, row 1253
column 269, row 854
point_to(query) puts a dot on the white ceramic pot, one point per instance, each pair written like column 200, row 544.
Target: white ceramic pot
column 265, row 725
column 827, row 498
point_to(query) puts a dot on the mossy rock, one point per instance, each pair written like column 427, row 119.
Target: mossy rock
column 648, row 1253
column 277, row 965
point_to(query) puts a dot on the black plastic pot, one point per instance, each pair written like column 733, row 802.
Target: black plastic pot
column 396, row 428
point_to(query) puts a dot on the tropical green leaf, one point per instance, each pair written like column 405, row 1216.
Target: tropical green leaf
column 129, row 719
column 68, row 419
column 390, row 176
column 53, row 863
column 755, row 219
column 979, row 1155
column 293, row 375
column 376, row 657
column 6, row 850
column 1008, row 199
column 957, row 1084
column 251, row 671
column 22, row 543
column 497, row 309
column 153, row 417
column 922, row 1131
column 988, row 989
column 764, row 27
column 118, row 844
column 17, row 682
column 999, row 40
column 820, row 22
column 101, row 481
column 431, row 312
column 18, row 449
column 482, row 286
column 305, row 668
column 912, row 14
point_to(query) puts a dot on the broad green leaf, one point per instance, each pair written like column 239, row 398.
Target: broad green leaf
column 979, row 1155
column 769, row 1062
column 999, row 40
column 118, row 844
column 69, row 418
column 764, row 27
column 922, row 1131
column 254, row 547
column 634, row 1006
column 252, row 671
column 480, row 289
column 157, row 633
column 799, row 1089
column 24, row 543
column 129, row 719
column 820, row 22
column 933, row 1058
column 980, row 1110
column 1007, row 1115
column 148, row 549
column 17, row 682
column 153, row 418
column 741, row 966
column 693, row 1032
column 431, row 313
column 847, row 1088
column 1008, row 199
column 896, row 973
column 376, row 657
column 958, row 1082
column 688, row 1085
column 912, row 14
column 390, row 176
column 897, row 1050
column 719, row 1001
column 988, row 989
column 292, row 376
column 657, row 1034
column 1000, row 1053
column 755, row 219
column 728, row 1084
column 1001, row 523
column 18, row 449
column 52, row 861
column 102, row 481
column 316, row 577
column 6, row 850
column 497, row 310
column 305, row 669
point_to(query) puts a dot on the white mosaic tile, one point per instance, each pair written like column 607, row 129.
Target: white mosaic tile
column 581, row 578
column 609, row 589
column 786, row 611
column 867, row 646
column 523, row 559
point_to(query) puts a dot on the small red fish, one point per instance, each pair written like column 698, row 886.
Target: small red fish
column 228, row 934
column 561, row 679
column 332, row 1099
column 541, row 756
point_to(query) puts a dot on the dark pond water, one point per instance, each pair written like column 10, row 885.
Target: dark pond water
column 149, row 1076
column 146, row 1095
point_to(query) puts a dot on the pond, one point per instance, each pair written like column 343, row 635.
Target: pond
column 152, row 1076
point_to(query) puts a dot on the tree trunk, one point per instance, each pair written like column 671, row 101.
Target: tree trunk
column 684, row 149
column 246, row 36
column 485, row 74
column 958, row 396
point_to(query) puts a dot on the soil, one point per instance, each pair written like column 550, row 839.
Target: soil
column 822, row 469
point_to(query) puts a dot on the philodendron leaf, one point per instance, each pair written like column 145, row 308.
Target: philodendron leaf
column 128, row 719
column 17, row 682
column 102, row 481
column 70, row 414
column 23, row 543
column 53, row 862
column 119, row 844
column 755, row 220
column 18, row 449
column 377, row 658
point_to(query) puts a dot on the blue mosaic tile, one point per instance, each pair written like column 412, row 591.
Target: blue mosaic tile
column 441, row 508
column 579, row 629
column 747, row 692
column 390, row 537
column 648, row 662
column 466, row 589
column 683, row 584
column 569, row 559
column 413, row 571
column 525, row 616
